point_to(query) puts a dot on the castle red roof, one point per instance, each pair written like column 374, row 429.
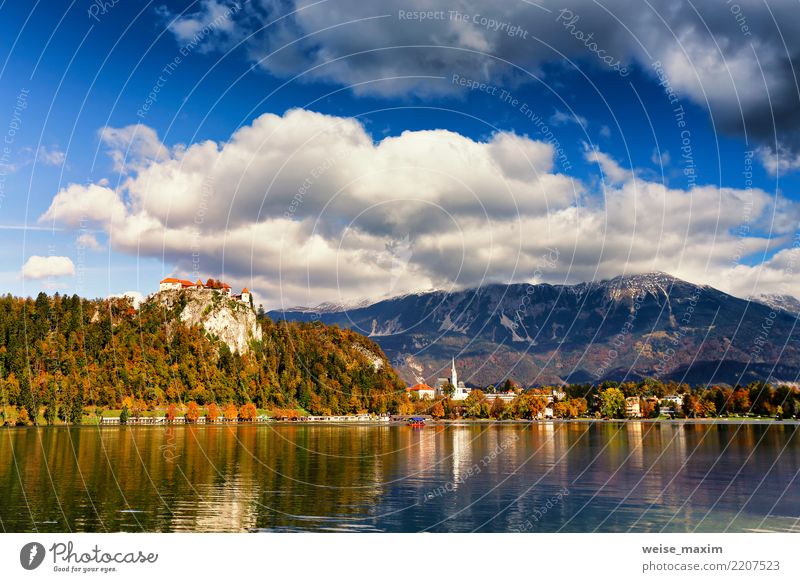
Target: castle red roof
column 245, row 290
column 183, row 282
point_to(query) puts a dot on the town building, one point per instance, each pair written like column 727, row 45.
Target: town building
column 671, row 403
column 675, row 400
column 633, row 407
column 423, row 391
column 503, row 396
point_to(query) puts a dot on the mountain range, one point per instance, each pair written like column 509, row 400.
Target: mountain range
column 624, row 328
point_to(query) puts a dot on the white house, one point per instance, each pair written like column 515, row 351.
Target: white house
column 675, row 400
column 633, row 407
column 423, row 391
column 170, row 284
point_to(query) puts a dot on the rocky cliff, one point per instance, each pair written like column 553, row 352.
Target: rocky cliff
column 231, row 321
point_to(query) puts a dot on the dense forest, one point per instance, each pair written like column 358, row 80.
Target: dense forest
column 63, row 355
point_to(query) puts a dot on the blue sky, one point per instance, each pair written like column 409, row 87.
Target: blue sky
column 73, row 76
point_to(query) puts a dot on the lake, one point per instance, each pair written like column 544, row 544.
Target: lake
column 544, row 477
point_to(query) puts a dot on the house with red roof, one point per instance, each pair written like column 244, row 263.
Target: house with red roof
column 171, row 284
column 423, row 391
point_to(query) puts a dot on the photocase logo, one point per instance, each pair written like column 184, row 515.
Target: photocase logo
column 31, row 555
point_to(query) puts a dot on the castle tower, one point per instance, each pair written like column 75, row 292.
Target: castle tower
column 246, row 295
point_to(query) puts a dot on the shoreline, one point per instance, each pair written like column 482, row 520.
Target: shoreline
column 432, row 423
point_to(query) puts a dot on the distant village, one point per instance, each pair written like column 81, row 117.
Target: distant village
column 456, row 390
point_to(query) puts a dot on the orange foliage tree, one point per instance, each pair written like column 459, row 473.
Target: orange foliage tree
column 172, row 412
column 230, row 412
column 212, row 412
column 438, row 410
column 248, row 412
column 23, row 419
column 192, row 412
column 287, row 413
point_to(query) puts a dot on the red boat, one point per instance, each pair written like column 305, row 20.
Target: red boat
column 416, row 421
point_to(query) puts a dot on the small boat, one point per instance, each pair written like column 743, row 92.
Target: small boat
column 415, row 421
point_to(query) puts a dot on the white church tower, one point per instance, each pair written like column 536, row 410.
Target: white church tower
column 460, row 392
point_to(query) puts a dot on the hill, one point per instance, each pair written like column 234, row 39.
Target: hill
column 69, row 353
column 629, row 327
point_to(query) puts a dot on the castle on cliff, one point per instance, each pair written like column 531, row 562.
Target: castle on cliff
column 171, row 284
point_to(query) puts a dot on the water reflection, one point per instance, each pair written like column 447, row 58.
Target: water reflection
column 618, row 477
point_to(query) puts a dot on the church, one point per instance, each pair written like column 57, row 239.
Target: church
column 461, row 391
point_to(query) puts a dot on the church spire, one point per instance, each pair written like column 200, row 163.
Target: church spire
column 454, row 375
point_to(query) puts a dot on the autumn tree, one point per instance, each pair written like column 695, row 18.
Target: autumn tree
column 405, row 406
column 22, row 417
column 528, row 405
column 212, row 412
column 231, row 413
column 612, row 403
column 437, row 411
column 192, row 412
column 475, row 405
column 498, row 409
column 172, row 413
column 248, row 412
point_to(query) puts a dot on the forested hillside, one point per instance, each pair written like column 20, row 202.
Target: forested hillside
column 65, row 354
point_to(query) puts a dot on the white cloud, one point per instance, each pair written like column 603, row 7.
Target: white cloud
column 660, row 158
column 132, row 145
column 306, row 208
column 76, row 206
column 37, row 267
column 563, row 118
column 88, row 241
column 206, row 27
column 780, row 161
column 612, row 171
column 51, row 157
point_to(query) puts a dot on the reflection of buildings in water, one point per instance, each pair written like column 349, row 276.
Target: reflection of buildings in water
column 678, row 442
column 462, row 453
column 562, row 439
column 227, row 506
column 423, row 455
column 635, row 433
column 546, row 432
column 662, row 485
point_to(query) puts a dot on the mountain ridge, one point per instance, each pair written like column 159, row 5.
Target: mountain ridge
column 650, row 324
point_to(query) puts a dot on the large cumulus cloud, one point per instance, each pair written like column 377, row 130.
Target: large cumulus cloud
column 308, row 208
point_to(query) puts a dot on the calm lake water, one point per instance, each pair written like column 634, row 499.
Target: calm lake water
column 549, row 477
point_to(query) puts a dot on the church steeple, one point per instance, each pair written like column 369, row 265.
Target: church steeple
column 454, row 375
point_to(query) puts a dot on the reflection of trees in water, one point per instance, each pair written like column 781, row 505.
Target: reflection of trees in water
column 239, row 477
